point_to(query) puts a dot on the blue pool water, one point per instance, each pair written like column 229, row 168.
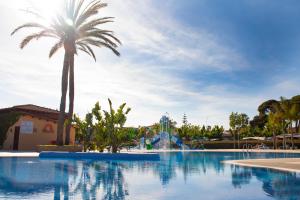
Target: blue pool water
column 182, row 175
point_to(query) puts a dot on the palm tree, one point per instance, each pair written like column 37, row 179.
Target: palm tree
column 76, row 28
column 296, row 102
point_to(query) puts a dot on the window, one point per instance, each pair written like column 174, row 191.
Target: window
column 26, row 127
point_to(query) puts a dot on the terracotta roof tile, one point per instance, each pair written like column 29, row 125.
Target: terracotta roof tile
column 35, row 111
column 35, row 108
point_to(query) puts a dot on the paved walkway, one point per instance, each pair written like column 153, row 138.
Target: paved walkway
column 283, row 164
column 18, row 154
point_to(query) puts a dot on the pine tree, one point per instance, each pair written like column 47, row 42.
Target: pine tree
column 184, row 120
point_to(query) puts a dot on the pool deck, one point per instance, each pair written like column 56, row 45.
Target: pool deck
column 282, row 164
column 18, row 154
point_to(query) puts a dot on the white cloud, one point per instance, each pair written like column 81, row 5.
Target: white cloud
column 149, row 30
column 148, row 86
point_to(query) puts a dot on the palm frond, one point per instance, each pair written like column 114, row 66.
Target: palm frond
column 113, row 37
column 91, row 10
column 61, row 21
column 91, row 51
column 95, row 23
column 84, row 50
column 34, row 13
column 28, row 25
column 94, row 32
column 102, row 44
column 77, row 10
column 114, row 50
column 58, row 28
column 91, row 32
column 107, row 40
column 100, row 37
column 36, row 36
column 84, row 29
column 70, row 8
column 55, row 48
column 89, row 5
column 87, row 49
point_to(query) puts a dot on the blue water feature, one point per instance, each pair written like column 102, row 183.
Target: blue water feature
column 155, row 140
column 182, row 175
column 179, row 142
column 164, row 139
column 100, row 156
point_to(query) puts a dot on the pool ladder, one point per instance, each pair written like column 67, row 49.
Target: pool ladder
column 247, row 147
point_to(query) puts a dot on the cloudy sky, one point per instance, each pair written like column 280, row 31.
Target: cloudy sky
column 205, row 58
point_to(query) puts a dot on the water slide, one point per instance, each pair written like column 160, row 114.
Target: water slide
column 155, row 140
column 179, row 142
column 174, row 139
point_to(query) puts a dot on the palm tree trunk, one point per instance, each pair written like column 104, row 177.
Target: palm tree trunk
column 71, row 99
column 64, row 88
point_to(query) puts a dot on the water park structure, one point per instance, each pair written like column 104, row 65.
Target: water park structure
column 165, row 138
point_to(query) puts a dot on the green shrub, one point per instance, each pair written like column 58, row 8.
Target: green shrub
column 6, row 121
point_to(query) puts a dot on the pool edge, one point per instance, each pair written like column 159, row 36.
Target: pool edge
column 256, row 163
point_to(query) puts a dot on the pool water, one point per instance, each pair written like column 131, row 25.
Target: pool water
column 181, row 175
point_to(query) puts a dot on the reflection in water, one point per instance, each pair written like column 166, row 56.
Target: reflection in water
column 278, row 185
column 103, row 180
column 240, row 176
column 22, row 178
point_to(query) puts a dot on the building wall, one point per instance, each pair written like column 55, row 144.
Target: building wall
column 40, row 136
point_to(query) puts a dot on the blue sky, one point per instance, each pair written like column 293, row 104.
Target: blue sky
column 205, row 58
column 264, row 33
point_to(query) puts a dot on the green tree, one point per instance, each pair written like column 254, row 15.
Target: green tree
column 289, row 111
column 296, row 112
column 274, row 126
column 142, row 131
column 76, row 29
column 185, row 132
column 6, row 121
column 132, row 133
column 237, row 121
column 99, row 131
column 156, row 128
column 114, row 122
column 216, row 132
column 268, row 106
column 85, row 131
column 99, row 128
column 203, row 131
column 258, row 123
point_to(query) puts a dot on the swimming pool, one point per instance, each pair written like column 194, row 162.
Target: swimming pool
column 180, row 175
